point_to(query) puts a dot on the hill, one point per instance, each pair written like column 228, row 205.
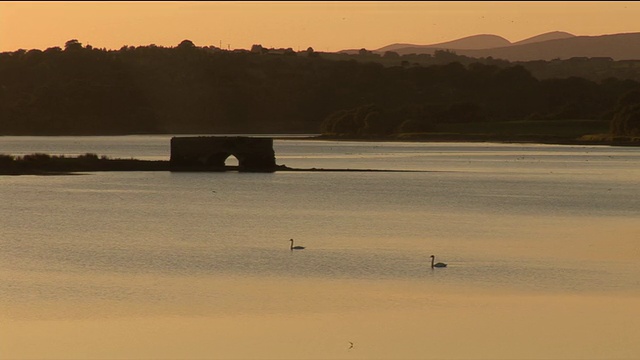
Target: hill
column 549, row 46
column 187, row 89
column 617, row 47
column 467, row 43
column 554, row 35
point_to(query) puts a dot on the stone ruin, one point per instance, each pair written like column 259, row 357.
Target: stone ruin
column 209, row 153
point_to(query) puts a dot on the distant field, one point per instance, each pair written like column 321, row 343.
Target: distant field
column 545, row 132
column 571, row 129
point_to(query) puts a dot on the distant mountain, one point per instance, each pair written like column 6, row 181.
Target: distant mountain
column 468, row 43
column 616, row 47
column 554, row 35
column 548, row 46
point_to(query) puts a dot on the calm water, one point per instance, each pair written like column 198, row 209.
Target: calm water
column 542, row 244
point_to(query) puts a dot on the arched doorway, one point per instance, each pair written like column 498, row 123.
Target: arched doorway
column 232, row 161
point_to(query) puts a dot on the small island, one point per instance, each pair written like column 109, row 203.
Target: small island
column 45, row 164
column 209, row 154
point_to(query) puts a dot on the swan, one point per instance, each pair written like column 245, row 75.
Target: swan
column 295, row 247
column 437, row 265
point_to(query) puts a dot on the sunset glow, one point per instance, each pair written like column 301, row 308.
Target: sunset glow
column 325, row 26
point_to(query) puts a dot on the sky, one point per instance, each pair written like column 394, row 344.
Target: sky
column 323, row 25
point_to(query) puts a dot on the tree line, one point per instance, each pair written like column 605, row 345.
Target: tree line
column 81, row 90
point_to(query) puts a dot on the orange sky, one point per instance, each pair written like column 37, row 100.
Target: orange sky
column 325, row 26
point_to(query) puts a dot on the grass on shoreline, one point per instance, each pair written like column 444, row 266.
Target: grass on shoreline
column 45, row 164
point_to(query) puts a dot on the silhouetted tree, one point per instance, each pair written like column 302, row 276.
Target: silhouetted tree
column 186, row 44
column 72, row 45
column 189, row 89
column 258, row 49
column 626, row 118
column 415, row 126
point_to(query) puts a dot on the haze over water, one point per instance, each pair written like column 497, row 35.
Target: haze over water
column 541, row 243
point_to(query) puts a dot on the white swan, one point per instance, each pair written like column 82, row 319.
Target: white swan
column 438, row 265
column 295, row 247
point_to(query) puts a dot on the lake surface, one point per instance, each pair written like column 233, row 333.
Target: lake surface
column 542, row 244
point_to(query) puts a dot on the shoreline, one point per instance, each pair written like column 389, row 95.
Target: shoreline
column 480, row 138
column 57, row 166
column 48, row 165
column 593, row 139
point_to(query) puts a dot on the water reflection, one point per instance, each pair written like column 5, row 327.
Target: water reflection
column 540, row 241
